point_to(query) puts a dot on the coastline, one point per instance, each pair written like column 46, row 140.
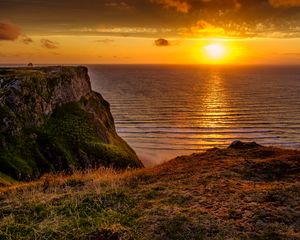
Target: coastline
column 245, row 191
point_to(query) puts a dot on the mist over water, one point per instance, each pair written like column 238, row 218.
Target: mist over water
column 166, row 111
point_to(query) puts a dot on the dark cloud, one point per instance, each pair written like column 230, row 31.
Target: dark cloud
column 49, row 44
column 155, row 18
column 9, row 31
column 26, row 40
column 161, row 42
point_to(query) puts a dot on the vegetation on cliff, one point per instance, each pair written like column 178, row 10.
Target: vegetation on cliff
column 52, row 121
column 243, row 192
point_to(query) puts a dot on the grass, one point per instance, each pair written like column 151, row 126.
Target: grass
column 202, row 196
column 73, row 207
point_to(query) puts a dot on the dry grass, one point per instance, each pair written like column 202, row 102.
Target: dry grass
column 221, row 194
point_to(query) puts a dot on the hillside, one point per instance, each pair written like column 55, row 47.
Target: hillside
column 52, row 121
column 243, row 192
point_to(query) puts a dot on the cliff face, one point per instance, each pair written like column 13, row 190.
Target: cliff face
column 51, row 120
column 28, row 95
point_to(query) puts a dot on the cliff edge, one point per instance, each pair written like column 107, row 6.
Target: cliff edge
column 51, row 121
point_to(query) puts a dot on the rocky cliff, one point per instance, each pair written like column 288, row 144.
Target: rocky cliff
column 51, row 120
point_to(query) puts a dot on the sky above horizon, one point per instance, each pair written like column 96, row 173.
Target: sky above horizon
column 150, row 31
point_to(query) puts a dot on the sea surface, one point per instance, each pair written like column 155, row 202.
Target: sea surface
column 164, row 111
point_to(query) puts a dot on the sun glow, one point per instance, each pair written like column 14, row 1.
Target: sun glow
column 215, row 52
column 218, row 52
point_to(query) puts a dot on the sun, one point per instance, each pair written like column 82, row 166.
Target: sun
column 215, row 52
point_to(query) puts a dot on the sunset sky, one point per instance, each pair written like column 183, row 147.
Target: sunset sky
column 150, row 31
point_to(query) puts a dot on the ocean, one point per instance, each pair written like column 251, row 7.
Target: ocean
column 164, row 111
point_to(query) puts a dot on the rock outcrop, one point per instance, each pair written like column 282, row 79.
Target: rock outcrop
column 51, row 120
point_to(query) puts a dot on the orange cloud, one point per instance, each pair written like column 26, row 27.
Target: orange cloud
column 285, row 3
column 237, row 5
column 203, row 28
column 9, row 31
column 26, row 40
column 48, row 44
column 179, row 5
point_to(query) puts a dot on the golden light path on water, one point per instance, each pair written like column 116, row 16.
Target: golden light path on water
column 213, row 103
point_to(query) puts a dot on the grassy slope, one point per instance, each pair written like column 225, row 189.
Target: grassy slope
column 221, row 194
column 52, row 148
